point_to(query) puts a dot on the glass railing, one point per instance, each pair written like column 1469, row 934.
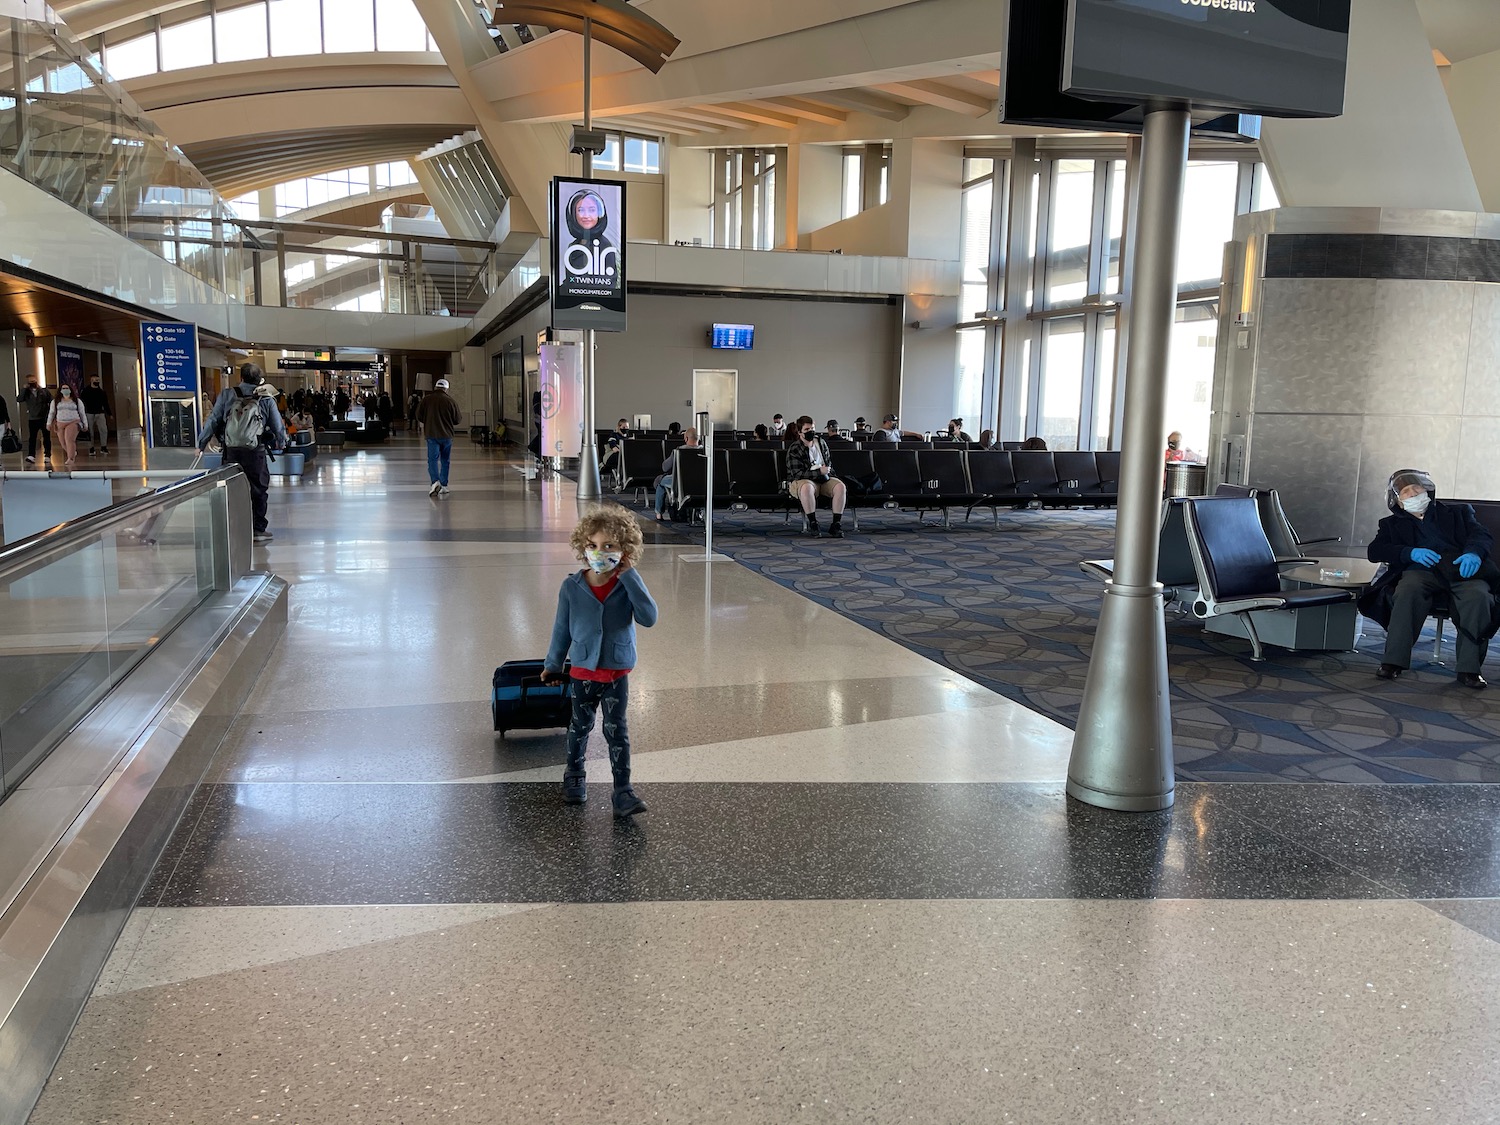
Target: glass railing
column 320, row 266
column 83, row 603
column 68, row 129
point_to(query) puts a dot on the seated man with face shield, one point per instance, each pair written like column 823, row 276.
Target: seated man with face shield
column 1434, row 552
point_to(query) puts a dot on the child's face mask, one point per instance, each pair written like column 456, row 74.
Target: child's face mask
column 602, row 562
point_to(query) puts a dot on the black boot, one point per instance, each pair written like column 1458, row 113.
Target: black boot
column 625, row 802
column 812, row 525
column 836, row 526
column 574, row 791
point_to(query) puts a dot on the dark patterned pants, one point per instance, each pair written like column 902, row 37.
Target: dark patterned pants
column 589, row 697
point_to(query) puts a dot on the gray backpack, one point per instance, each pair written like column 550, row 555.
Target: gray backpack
column 245, row 423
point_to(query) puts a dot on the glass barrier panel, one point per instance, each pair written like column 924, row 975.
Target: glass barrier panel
column 76, row 622
column 56, row 662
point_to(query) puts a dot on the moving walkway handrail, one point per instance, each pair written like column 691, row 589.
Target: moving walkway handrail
column 25, row 555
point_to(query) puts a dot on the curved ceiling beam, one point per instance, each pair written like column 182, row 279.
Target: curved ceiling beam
column 444, row 111
column 614, row 23
column 250, row 163
column 296, row 73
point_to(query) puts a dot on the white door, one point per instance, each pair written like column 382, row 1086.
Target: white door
column 718, row 393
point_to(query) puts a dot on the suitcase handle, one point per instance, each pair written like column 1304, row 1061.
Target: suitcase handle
column 529, row 682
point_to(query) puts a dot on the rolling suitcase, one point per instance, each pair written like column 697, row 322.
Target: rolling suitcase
column 479, row 427
column 519, row 701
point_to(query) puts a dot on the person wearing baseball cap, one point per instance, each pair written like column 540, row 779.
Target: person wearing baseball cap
column 439, row 417
column 888, row 430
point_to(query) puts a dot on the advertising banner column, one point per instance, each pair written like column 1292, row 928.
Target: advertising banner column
column 588, row 282
column 169, row 370
column 560, row 381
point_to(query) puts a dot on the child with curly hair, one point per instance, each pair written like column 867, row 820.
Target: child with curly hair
column 597, row 610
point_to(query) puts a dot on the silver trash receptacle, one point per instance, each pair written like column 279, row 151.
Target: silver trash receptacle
column 1186, row 478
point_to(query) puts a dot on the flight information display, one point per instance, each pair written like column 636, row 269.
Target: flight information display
column 737, row 337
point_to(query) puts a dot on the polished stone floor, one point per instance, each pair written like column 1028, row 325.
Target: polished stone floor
column 859, row 896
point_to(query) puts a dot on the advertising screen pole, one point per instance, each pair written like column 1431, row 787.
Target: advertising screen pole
column 1122, row 747
column 588, row 458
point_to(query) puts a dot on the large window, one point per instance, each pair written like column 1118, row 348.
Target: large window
column 132, row 58
column 348, row 25
column 241, row 33
column 744, row 212
column 1070, row 230
column 867, row 178
column 261, row 29
column 1059, row 377
column 978, row 213
column 629, row 152
column 1208, row 206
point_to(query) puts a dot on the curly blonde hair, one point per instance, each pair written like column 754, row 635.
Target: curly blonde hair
column 615, row 522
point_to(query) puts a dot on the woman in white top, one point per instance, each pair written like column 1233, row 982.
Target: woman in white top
column 65, row 419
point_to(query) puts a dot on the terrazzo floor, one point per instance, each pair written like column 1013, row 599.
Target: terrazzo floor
column 859, row 895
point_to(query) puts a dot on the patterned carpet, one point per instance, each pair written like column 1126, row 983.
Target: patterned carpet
column 1009, row 608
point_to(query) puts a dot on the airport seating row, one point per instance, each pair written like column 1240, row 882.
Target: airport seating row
column 919, row 480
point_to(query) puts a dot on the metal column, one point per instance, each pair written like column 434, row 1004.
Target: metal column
column 1122, row 748
column 589, row 489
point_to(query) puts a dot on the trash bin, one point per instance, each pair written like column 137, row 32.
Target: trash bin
column 1186, row 478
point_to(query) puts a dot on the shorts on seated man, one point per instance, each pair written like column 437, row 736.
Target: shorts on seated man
column 1432, row 551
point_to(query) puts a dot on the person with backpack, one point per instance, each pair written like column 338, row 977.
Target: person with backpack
column 247, row 423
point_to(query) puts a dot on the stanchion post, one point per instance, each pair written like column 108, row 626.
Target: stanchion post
column 706, row 435
column 1122, row 747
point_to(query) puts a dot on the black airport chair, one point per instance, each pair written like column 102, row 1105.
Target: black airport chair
column 945, row 479
column 993, row 481
column 755, row 481
column 1238, row 572
column 1107, row 464
column 1174, row 558
column 641, row 464
column 690, row 480
column 1036, row 474
column 901, row 480
column 863, row 487
column 1077, row 476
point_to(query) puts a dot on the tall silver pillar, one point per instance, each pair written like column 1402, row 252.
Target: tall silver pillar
column 588, row 457
column 1122, row 749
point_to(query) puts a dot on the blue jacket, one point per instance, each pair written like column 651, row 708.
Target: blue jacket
column 595, row 634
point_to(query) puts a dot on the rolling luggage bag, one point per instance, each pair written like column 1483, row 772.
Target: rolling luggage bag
column 519, row 700
column 479, row 427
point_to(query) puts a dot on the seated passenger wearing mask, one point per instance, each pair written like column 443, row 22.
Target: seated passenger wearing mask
column 1431, row 550
column 809, row 474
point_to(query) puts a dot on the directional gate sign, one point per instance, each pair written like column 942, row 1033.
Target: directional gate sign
column 169, row 358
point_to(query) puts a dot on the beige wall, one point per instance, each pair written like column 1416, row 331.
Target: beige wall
column 830, row 359
column 1474, row 92
column 1396, row 144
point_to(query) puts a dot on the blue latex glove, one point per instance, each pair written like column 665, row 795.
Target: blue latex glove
column 1424, row 556
column 1468, row 564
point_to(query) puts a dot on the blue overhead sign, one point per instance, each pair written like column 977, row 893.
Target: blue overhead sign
column 169, row 358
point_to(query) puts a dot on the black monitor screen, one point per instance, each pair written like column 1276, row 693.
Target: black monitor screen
column 1031, row 74
column 1280, row 58
column 739, row 337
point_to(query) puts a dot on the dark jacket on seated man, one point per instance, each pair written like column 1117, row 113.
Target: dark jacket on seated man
column 1403, row 542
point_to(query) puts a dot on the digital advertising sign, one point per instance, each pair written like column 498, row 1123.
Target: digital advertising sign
column 588, row 254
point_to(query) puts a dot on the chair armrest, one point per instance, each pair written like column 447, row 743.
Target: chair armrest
column 1325, row 539
column 1103, row 569
column 1294, row 562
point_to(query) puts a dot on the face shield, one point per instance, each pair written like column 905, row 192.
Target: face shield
column 1407, row 478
